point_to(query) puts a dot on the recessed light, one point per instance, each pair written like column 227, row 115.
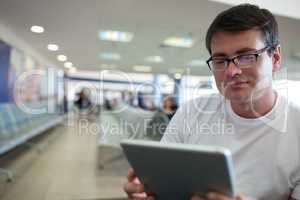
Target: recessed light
column 37, row 29
column 62, row 58
column 177, row 76
column 116, row 36
column 108, row 66
column 176, row 70
column 155, row 59
column 179, row 42
column 142, row 68
column 52, row 47
column 110, row 56
column 68, row 65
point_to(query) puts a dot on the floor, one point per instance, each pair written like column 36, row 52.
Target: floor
column 62, row 165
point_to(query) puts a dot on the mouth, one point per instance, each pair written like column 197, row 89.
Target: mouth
column 237, row 84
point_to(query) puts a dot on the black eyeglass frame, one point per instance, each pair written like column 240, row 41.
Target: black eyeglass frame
column 256, row 53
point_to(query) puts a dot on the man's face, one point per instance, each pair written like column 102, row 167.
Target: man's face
column 243, row 84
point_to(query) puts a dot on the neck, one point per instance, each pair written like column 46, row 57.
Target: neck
column 255, row 107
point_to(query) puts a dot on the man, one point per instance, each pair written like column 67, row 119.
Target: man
column 249, row 117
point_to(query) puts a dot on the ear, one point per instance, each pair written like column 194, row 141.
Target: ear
column 276, row 58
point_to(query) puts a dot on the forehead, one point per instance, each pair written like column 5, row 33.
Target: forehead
column 230, row 42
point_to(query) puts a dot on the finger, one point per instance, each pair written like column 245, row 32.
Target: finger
column 131, row 188
column 131, row 175
column 217, row 196
column 135, row 197
column 240, row 197
column 141, row 198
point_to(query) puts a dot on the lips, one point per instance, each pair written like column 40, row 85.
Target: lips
column 237, row 84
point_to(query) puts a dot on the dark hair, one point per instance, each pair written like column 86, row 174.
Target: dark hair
column 174, row 105
column 245, row 17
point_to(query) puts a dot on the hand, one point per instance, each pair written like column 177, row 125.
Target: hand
column 219, row 196
column 134, row 189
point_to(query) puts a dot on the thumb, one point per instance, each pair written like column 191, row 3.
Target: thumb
column 240, row 197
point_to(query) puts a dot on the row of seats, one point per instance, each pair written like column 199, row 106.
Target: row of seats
column 124, row 122
column 18, row 126
column 133, row 120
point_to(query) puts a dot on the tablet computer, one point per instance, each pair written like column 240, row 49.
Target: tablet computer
column 174, row 171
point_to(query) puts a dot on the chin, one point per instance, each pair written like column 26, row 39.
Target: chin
column 238, row 97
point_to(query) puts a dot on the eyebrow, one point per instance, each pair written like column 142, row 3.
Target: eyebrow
column 240, row 51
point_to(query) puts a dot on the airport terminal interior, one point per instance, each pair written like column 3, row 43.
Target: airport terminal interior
column 77, row 77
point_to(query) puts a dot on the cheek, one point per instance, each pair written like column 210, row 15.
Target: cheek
column 219, row 78
column 266, row 68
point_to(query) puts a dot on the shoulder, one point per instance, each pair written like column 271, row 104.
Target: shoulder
column 293, row 113
column 295, row 106
column 292, row 106
column 289, row 110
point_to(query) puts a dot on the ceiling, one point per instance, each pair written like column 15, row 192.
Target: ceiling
column 288, row 8
column 74, row 26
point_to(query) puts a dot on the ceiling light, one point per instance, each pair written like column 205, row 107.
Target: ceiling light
column 142, row 68
column 52, row 47
column 197, row 62
column 177, row 76
column 116, row 36
column 155, row 59
column 62, row 58
column 68, row 65
column 176, row 70
column 37, row 29
column 108, row 66
column 179, row 42
column 110, row 56
column 105, row 71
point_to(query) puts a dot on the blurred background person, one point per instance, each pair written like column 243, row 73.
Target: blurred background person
column 158, row 124
column 83, row 101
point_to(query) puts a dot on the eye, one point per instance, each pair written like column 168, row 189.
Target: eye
column 246, row 58
column 219, row 61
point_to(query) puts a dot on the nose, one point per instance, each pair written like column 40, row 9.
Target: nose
column 232, row 70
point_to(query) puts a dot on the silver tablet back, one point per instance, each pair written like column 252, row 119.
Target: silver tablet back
column 176, row 171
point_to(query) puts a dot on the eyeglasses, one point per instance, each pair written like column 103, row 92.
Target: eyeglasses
column 241, row 61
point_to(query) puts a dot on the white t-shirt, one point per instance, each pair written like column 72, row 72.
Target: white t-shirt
column 265, row 150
